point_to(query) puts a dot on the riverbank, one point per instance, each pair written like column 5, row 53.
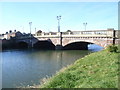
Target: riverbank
column 97, row 70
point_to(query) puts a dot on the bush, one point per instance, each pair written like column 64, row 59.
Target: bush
column 112, row 48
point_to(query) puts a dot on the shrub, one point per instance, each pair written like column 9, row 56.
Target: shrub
column 112, row 48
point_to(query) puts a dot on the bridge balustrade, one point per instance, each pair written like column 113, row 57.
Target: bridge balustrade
column 46, row 33
column 102, row 33
column 97, row 33
column 52, row 33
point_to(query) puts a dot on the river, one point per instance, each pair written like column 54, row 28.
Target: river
column 28, row 67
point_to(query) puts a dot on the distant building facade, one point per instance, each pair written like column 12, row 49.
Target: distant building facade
column 10, row 35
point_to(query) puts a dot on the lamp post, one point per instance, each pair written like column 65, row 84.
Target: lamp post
column 30, row 23
column 35, row 30
column 85, row 24
column 59, row 33
column 58, row 18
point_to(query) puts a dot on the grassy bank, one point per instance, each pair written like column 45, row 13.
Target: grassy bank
column 97, row 70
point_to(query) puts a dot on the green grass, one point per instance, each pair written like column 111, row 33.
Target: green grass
column 119, row 47
column 97, row 70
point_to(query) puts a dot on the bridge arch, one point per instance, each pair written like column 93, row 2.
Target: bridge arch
column 98, row 41
column 44, row 44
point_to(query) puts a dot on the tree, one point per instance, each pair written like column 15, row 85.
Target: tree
column 39, row 31
column 10, row 31
column 6, row 32
column 14, row 30
column 69, row 31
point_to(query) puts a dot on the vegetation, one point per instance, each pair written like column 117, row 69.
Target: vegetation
column 69, row 31
column 112, row 48
column 97, row 70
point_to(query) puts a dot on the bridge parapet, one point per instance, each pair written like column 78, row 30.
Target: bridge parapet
column 71, row 34
column 97, row 33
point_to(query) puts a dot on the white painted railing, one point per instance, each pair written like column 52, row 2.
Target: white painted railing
column 97, row 33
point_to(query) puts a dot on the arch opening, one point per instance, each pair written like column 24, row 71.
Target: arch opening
column 94, row 47
column 44, row 45
column 82, row 45
column 76, row 46
column 22, row 45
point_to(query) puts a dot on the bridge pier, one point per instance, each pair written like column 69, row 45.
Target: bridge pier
column 30, row 45
column 58, row 47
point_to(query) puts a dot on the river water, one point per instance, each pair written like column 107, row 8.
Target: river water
column 28, row 67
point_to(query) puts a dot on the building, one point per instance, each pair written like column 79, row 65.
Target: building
column 10, row 35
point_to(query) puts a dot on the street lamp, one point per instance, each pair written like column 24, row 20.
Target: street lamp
column 85, row 24
column 30, row 23
column 35, row 30
column 58, row 18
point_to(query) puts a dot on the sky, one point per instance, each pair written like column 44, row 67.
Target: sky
column 43, row 15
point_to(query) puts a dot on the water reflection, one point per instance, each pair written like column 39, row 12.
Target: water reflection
column 29, row 66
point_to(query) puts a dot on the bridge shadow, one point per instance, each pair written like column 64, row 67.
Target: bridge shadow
column 44, row 45
column 28, row 43
column 22, row 45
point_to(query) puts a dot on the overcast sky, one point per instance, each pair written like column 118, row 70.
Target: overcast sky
column 98, row 15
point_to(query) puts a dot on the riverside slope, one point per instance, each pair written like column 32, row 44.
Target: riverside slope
column 96, row 70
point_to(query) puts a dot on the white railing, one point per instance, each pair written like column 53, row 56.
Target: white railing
column 97, row 33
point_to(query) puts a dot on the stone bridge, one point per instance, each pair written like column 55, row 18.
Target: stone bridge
column 63, row 39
